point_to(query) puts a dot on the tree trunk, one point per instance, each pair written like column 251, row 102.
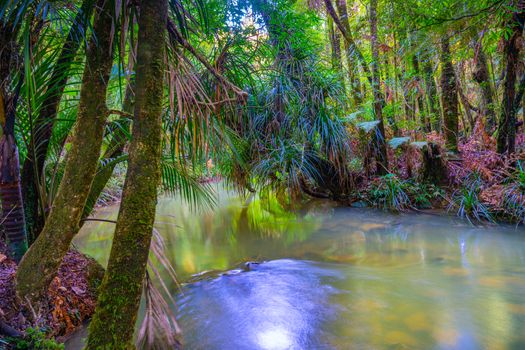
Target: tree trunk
column 418, row 98
column 379, row 142
column 449, row 96
column 507, row 121
column 335, row 46
column 353, row 64
column 118, row 302
column 43, row 125
column 41, row 262
column 464, row 102
column 11, row 194
column 433, row 167
column 481, row 76
column 347, row 35
column 431, row 98
column 12, row 219
column 114, row 150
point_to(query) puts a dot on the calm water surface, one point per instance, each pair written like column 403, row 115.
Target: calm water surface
column 336, row 278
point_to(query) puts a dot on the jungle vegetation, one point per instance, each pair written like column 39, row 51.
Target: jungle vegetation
column 398, row 104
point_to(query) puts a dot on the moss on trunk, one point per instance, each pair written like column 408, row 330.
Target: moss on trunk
column 41, row 262
column 113, row 324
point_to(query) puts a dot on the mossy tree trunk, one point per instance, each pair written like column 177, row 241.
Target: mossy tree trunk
column 433, row 168
column 40, row 264
column 449, row 94
column 379, row 141
column 113, row 324
column 43, row 124
column 507, row 120
column 481, row 77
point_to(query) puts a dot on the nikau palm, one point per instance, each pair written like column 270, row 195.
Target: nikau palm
column 40, row 265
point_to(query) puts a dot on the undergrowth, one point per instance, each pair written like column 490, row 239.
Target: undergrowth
column 390, row 192
column 35, row 339
column 466, row 200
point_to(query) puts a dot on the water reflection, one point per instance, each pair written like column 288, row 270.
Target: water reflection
column 339, row 278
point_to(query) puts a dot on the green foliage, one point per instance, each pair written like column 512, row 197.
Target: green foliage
column 467, row 202
column 390, row 192
column 514, row 200
column 424, row 195
column 35, row 339
column 519, row 176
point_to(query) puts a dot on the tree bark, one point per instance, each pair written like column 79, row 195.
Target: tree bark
column 347, row 35
column 40, row 264
column 481, row 77
column 335, row 46
column 431, row 95
column 118, row 302
column 507, row 122
column 353, row 64
column 114, row 150
column 379, row 142
column 449, row 94
column 418, row 97
column 43, row 125
column 12, row 218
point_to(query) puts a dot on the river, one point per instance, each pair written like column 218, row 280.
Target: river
column 331, row 277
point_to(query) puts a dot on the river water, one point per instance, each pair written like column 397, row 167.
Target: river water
column 335, row 278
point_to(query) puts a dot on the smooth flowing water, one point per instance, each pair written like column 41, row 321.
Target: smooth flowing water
column 336, row 278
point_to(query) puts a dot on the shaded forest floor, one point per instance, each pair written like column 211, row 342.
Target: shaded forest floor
column 70, row 301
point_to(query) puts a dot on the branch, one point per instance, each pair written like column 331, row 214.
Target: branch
column 441, row 20
column 121, row 113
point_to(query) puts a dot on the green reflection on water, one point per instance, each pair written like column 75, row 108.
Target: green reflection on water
column 237, row 230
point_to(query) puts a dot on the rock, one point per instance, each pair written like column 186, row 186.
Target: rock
column 359, row 204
